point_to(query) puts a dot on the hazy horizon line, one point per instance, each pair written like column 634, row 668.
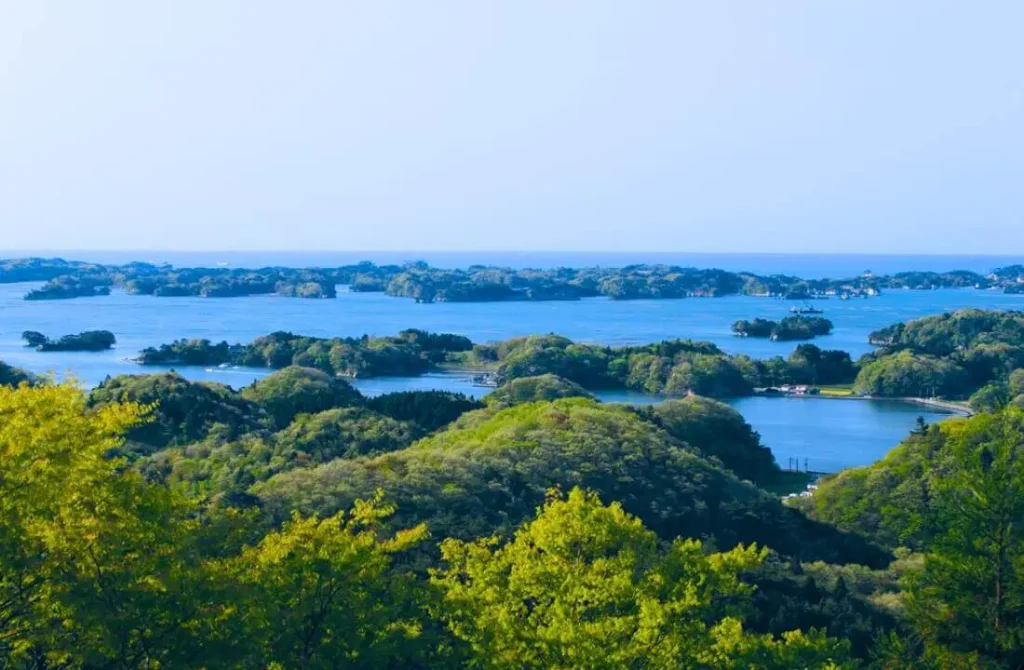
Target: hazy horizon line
column 59, row 250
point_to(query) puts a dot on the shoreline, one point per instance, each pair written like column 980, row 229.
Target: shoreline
column 945, row 405
column 952, row 407
column 467, row 373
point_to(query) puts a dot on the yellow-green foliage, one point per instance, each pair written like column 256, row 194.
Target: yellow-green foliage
column 321, row 594
column 102, row 567
column 888, row 500
column 587, row 586
column 99, row 568
column 92, row 557
column 531, row 389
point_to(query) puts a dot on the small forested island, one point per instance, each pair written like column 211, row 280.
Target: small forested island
column 419, row 281
column 411, row 352
column 798, row 327
column 90, row 340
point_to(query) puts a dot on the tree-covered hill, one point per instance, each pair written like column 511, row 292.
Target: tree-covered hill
column 214, row 534
column 488, row 471
column 182, row 411
column 531, row 389
column 142, row 576
column 952, row 355
column 296, row 390
column 718, row 431
column 954, row 493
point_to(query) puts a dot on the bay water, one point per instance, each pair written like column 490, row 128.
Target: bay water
column 830, row 434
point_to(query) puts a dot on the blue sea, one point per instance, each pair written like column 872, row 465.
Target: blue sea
column 830, row 434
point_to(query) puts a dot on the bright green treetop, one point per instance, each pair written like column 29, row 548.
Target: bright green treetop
column 320, row 593
column 587, row 586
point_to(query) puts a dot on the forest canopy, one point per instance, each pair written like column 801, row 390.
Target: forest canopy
column 951, row 355
column 955, row 493
column 179, row 579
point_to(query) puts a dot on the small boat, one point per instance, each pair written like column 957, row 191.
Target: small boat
column 487, row 380
column 806, row 309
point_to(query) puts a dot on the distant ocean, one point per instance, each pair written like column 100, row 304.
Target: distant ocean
column 808, row 266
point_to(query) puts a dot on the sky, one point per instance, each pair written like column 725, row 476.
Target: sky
column 786, row 126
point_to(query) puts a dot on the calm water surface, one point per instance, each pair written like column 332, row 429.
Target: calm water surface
column 143, row 321
column 830, row 434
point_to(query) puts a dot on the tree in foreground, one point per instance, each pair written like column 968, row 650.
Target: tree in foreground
column 321, row 593
column 94, row 563
column 101, row 569
column 967, row 603
column 587, row 586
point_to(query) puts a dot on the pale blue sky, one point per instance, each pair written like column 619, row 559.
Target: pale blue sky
column 788, row 125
